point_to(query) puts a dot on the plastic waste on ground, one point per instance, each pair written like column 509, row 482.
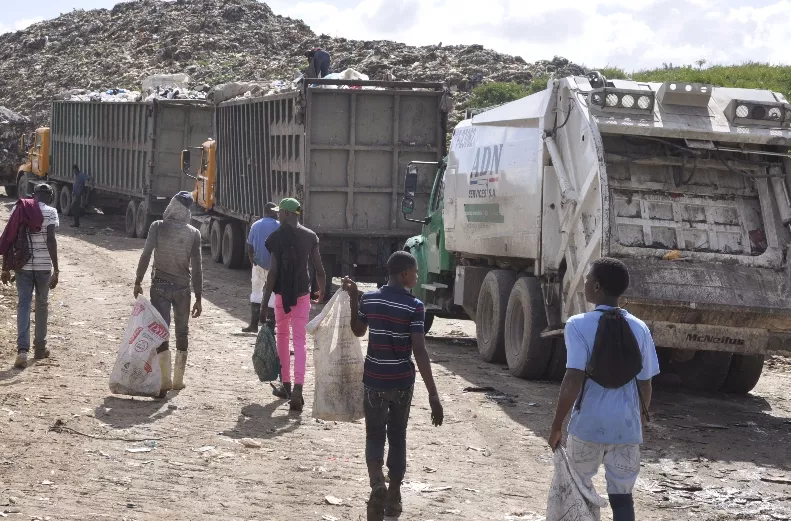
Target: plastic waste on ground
column 265, row 359
column 569, row 498
column 136, row 371
column 339, row 359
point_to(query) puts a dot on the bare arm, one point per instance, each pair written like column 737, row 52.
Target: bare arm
column 52, row 248
column 359, row 328
column 269, row 287
column 424, row 366
column 569, row 391
column 321, row 276
column 646, row 390
column 196, row 262
column 251, row 254
column 145, row 257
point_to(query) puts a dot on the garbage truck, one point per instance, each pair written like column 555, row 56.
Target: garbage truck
column 131, row 150
column 686, row 183
column 339, row 147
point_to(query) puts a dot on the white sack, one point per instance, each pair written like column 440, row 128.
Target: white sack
column 569, row 498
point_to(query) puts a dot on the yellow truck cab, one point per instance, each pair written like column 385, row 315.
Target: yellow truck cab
column 37, row 165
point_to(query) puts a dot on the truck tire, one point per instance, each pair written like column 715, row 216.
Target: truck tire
column 490, row 318
column 706, row 371
column 64, row 201
column 744, row 373
column 232, row 246
column 11, row 190
column 216, row 230
column 143, row 220
column 557, row 364
column 528, row 354
column 131, row 219
column 428, row 321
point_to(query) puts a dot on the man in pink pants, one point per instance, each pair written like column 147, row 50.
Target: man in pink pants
column 291, row 247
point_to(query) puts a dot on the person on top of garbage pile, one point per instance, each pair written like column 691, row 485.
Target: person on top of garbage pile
column 259, row 258
column 80, row 178
column 176, row 246
column 606, row 424
column 395, row 319
column 291, row 247
column 318, row 62
column 38, row 220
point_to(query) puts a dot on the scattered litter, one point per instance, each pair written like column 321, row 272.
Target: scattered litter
column 139, row 449
column 205, row 448
column 332, row 500
column 329, row 518
column 250, row 443
column 454, row 512
column 473, row 490
column 47, row 482
column 777, row 479
column 485, row 452
column 429, row 470
column 480, row 390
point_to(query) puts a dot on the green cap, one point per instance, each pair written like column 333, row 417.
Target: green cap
column 291, row 205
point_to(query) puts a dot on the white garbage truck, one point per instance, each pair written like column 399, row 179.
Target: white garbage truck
column 686, row 183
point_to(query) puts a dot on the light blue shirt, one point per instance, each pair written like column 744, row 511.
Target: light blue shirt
column 259, row 232
column 607, row 416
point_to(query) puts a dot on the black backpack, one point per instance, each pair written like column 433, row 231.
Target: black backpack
column 616, row 359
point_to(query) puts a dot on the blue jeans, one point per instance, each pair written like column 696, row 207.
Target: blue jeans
column 26, row 283
column 387, row 415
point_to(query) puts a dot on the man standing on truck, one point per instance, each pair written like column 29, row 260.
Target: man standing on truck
column 291, row 247
column 40, row 271
column 80, row 178
column 611, row 359
column 259, row 258
column 318, row 62
column 176, row 247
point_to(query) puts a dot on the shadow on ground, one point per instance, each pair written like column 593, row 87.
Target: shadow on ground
column 260, row 422
column 124, row 413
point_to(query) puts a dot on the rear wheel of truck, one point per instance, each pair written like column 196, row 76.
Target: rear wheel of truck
column 143, row 220
column 705, row 371
column 65, row 200
column 131, row 219
column 232, row 246
column 216, row 230
column 744, row 373
column 490, row 319
column 527, row 353
column 557, row 365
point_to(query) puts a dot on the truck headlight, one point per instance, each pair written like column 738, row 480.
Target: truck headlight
column 744, row 111
column 619, row 100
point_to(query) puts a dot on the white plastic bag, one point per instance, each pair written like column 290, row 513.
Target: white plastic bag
column 569, row 498
column 136, row 371
column 339, row 360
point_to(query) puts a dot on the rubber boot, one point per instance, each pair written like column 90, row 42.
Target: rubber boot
column 283, row 392
column 21, row 360
column 255, row 312
column 40, row 352
column 376, row 501
column 622, row 507
column 297, row 401
column 165, row 366
column 393, row 506
column 178, row 371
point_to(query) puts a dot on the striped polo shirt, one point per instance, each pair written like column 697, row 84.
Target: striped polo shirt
column 39, row 253
column 392, row 314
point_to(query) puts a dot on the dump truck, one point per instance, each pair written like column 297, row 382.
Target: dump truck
column 339, row 151
column 131, row 150
column 686, row 183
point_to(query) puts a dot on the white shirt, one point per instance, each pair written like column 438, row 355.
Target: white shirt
column 40, row 260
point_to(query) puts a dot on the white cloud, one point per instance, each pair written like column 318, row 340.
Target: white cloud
column 19, row 24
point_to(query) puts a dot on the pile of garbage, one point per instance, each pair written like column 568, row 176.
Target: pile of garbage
column 12, row 127
column 216, row 42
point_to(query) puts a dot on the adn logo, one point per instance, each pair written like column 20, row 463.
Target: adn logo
column 135, row 335
column 141, row 346
column 158, row 329
column 710, row 339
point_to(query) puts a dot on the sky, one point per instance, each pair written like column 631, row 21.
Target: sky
column 632, row 34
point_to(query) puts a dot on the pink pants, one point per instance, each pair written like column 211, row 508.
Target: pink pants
column 297, row 319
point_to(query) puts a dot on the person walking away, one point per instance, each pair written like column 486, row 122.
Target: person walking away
column 30, row 239
column 80, row 178
column 291, row 247
column 176, row 247
column 611, row 359
column 395, row 319
column 259, row 258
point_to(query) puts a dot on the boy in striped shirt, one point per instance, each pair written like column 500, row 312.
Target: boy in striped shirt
column 395, row 319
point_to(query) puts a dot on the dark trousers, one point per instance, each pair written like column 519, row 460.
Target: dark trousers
column 386, row 417
column 76, row 208
column 166, row 295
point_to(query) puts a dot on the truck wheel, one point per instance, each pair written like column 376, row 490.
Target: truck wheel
column 527, row 353
column 743, row 374
column 143, row 220
column 705, row 371
column 131, row 219
column 11, row 190
column 216, row 231
column 329, row 268
column 65, row 200
column 557, row 365
column 232, row 246
column 428, row 321
column 490, row 319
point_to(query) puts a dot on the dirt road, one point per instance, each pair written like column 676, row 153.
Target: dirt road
column 706, row 457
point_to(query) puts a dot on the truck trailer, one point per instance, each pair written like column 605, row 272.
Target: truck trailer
column 339, row 151
column 131, row 150
column 686, row 183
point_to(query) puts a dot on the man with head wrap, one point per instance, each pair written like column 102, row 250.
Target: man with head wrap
column 177, row 261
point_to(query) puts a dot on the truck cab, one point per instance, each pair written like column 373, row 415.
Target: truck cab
column 207, row 174
column 37, row 164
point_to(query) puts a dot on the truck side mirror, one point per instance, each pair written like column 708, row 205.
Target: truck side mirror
column 185, row 161
column 410, row 189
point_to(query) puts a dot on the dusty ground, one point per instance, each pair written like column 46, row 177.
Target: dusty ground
column 706, row 457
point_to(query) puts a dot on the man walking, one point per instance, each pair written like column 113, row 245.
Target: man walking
column 259, row 258
column 80, row 178
column 39, row 273
column 611, row 359
column 291, row 247
column 176, row 247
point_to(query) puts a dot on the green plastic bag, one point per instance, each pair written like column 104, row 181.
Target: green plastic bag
column 265, row 360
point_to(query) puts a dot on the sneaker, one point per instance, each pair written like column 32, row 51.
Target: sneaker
column 40, row 353
column 21, row 360
column 283, row 392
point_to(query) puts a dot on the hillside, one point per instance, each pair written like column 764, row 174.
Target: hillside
column 215, row 41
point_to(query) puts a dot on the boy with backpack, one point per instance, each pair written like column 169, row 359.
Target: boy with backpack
column 611, row 359
column 395, row 319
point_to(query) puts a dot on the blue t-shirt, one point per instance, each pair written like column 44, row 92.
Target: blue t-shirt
column 259, row 233
column 607, row 416
column 79, row 184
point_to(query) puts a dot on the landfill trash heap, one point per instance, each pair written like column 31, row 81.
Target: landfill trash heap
column 12, row 127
